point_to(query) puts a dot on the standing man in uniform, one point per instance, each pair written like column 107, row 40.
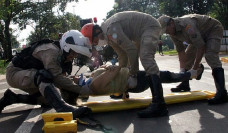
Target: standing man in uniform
column 134, row 34
column 204, row 35
column 160, row 47
column 38, row 70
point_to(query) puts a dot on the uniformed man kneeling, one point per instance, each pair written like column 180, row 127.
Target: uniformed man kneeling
column 38, row 70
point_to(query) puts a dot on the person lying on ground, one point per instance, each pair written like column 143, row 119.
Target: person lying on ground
column 114, row 79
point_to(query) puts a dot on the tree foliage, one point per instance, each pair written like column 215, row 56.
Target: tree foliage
column 220, row 12
column 8, row 10
column 146, row 6
column 22, row 12
column 177, row 8
column 172, row 8
column 51, row 26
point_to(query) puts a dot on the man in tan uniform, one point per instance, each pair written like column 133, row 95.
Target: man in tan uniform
column 41, row 71
column 133, row 34
column 204, row 35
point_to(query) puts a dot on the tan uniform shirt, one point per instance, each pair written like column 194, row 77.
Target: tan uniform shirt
column 197, row 30
column 130, row 33
column 50, row 55
column 117, row 85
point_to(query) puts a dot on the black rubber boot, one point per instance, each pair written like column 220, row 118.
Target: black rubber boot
column 158, row 106
column 8, row 99
column 182, row 87
column 221, row 93
column 53, row 97
column 170, row 77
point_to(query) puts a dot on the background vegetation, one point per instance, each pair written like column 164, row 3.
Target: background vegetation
column 3, row 65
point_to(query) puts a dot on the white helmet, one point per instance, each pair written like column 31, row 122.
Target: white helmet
column 75, row 41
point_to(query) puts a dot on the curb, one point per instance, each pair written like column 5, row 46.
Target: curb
column 224, row 59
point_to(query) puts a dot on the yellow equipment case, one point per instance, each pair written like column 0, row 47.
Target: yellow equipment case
column 65, row 124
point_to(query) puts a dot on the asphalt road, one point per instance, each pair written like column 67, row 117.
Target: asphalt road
column 190, row 117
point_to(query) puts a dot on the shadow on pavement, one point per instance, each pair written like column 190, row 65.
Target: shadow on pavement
column 211, row 118
column 196, row 114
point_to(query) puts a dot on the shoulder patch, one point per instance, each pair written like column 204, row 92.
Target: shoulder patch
column 189, row 29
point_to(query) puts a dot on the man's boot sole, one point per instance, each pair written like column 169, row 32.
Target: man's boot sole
column 210, row 102
column 180, row 90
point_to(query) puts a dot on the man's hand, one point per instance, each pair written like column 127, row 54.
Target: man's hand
column 193, row 73
column 75, row 79
column 112, row 68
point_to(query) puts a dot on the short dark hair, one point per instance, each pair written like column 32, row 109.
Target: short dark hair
column 96, row 27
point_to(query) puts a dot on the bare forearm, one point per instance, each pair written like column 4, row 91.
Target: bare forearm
column 181, row 56
column 199, row 55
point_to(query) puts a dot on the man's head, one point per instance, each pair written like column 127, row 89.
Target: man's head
column 93, row 32
column 167, row 24
column 73, row 43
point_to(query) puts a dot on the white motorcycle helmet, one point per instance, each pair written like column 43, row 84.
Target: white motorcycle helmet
column 74, row 40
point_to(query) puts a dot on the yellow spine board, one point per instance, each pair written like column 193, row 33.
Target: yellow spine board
column 133, row 103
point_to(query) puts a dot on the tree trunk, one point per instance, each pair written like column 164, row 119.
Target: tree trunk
column 7, row 39
column 7, row 51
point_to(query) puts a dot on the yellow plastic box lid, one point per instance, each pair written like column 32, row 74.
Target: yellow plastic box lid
column 50, row 117
column 60, row 127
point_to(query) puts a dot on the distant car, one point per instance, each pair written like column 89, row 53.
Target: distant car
column 14, row 52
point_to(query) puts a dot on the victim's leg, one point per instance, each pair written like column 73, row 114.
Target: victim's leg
column 183, row 78
column 165, row 77
column 171, row 77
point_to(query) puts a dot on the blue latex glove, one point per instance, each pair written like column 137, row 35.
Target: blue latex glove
column 81, row 80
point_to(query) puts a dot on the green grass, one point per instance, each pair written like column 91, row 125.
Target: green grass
column 170, row 52
column 3, row 66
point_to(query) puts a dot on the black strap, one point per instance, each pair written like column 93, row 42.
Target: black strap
column 34, row 45
column 96, row 125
